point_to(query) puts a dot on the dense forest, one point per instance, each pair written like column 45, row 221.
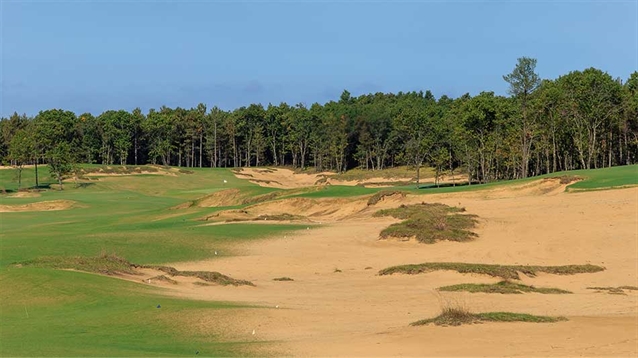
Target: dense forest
column 584, row 119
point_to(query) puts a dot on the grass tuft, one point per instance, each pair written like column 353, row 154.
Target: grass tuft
column 460, row 316
column 507, row 272
column 614, row 290
column 430, row 223
column 503, row 287
column 282, row 279
column 208, row 276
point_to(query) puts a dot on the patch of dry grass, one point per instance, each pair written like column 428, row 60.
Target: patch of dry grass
column 111, row 264
column 503, row 287
column 620, row 290
column 507, row 272
column 106, row 264
column 208, row 276
column 429, row 223
column 454, row 316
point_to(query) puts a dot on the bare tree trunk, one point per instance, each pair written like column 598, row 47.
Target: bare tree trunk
column 37, row 184
column 201, row 140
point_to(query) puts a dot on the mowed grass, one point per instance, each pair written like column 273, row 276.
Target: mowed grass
column 80, row 314
column 62, row 313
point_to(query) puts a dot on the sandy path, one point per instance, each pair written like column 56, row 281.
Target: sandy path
column 357, row 313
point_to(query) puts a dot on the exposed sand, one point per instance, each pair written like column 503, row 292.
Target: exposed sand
column 357, row 313
column 24, row 194
column 288, row 179
column 39, row 206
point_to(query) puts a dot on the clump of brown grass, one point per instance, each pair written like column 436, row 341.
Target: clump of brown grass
column 105, row 263
column 614, row 290
column 456, row 316
column 504, row 271
column 111, row 264
column 430, row 223
column 208, row 276
column 503, row 287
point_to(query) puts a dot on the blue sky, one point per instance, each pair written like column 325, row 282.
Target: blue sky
column 98, row 55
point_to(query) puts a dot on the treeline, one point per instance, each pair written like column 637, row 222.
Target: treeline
column 584, row 119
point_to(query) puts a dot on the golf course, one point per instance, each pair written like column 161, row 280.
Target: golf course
column 163, row 261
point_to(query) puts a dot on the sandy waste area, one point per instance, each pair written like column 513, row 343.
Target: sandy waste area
column 338, row 305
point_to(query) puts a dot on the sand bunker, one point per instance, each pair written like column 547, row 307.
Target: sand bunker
column 228, row 197
column 24, row 194
column 288, row 179
column 51, row 205
column 280, row 178
column 314, row 210
column 337, row 305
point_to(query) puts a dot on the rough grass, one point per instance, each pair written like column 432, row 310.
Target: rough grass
column 503, row 287
column 382, row 194
column 429, row 223
column 111, row 264
column 567, row 179
column 106, row 264
column 208, row 276
column 507, row 272
column 459, row 316
column 620, row 290
column 120, row 169
column 282, row 279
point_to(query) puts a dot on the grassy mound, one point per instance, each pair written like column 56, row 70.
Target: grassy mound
column 429, row 223
column 282, row 279
column 507, row 272
column 110, row 264
column 503, row 287
column 459, row 316
column 106, row 264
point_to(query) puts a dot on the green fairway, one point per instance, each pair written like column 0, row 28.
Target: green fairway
column 62, row 313
column 614, row 177
column 593, row 179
